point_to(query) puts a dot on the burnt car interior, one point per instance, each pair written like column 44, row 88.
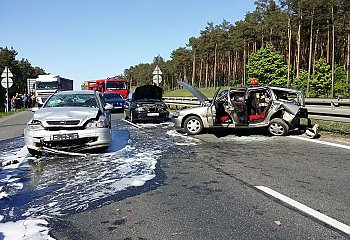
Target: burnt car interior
column 241, row 107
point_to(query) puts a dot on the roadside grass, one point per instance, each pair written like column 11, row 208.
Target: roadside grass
column 6, row 114
column 341, row 129
column 182, row 92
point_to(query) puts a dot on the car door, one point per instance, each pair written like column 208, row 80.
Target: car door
column 237, row 106
column 212, row 109
column 127, row 106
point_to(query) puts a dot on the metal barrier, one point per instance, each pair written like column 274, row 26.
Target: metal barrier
column 323, row 109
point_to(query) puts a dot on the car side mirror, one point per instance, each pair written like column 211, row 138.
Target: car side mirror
column 108, row 106
column 34, row 109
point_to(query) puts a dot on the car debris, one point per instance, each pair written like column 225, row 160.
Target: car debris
column 279, row 109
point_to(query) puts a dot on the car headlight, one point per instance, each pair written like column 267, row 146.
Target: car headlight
column 97, row 124
column 176, row 114
column 140, row 109
column 35, row 125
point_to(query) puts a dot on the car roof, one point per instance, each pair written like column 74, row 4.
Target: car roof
column 114, row 93
column 81, row 92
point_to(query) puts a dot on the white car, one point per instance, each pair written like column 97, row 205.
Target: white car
column 278, row 109
column 70, row 121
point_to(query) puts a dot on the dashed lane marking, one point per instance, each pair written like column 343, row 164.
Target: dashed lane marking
column 321, row 142
column 320, row 216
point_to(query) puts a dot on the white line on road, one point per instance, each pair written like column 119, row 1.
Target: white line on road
column 132, row 124
column 320, row 216
column 321, row 142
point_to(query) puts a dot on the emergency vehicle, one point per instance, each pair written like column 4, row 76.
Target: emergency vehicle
column 114, row 84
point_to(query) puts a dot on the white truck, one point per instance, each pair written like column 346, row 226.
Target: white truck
column 46, row 85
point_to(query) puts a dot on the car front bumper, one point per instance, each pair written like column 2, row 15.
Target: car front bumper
column 150, row 116
column 63, row 139
column 177, row 120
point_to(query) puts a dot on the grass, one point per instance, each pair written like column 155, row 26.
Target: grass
column 6, row 114
column 182, row 92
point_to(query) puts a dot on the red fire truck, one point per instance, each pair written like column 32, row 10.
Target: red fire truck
column 114, row 84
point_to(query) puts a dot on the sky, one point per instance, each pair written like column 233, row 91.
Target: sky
column 85, row 40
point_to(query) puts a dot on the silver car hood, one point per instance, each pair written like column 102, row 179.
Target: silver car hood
column 201, row 97
column 65, row 113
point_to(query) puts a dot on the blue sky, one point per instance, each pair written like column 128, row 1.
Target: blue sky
column 85, row 39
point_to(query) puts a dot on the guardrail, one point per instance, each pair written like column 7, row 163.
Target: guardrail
column 323, row 109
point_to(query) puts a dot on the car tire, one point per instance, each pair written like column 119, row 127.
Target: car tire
column 278, row 127
column 193, row 125
column 34, row 152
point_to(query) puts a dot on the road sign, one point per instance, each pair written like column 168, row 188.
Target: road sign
column 157, row 79
column 157, row 71
column 6, row 73
column 4, row 82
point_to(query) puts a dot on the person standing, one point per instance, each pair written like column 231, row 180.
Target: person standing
column 6, row 102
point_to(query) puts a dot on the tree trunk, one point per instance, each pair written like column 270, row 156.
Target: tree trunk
column 289, row 46
column 315, row 51
column 193, row 68
column 310, row 51
column 200, row 73
column 299, row 40
column 229, row 68
column 333, row 52
column 244, row 62
column 206, row 73
column 216, row 46
column 348, row 60
column 328, row 41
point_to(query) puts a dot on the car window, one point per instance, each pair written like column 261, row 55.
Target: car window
column 286, row 96
column 74, row 100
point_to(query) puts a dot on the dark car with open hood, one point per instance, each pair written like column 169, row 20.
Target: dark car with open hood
column 145, row 104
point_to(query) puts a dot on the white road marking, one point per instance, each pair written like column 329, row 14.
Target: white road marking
column 321, row 142
column 320, row 216
column 133, row 124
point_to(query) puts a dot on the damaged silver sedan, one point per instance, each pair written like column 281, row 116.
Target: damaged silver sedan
column 70, row 121
column 278, row 109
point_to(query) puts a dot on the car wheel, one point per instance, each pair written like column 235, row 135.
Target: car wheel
column 193, row 125
column 278, row 127
column 34, row 152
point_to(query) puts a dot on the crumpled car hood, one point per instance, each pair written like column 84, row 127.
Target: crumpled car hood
column 65, row 113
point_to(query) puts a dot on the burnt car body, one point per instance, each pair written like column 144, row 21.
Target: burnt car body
column 277, row 108
column 115, row 99
column 70, row 121
column 146, row 104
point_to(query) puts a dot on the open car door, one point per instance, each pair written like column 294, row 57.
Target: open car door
column 237, row 106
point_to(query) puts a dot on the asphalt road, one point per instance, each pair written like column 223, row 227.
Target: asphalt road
column 211, row 189
column 208, row 191
column 12, row 126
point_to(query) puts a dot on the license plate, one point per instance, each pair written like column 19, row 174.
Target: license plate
column 68, row 136
column 152, row 114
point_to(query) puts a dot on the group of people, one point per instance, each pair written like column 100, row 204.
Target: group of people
column 19, row 101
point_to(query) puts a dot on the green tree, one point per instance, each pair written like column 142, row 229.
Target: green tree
column 321, row 80
column 267, row 66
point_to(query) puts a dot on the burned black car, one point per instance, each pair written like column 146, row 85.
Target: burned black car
column 146, row 104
